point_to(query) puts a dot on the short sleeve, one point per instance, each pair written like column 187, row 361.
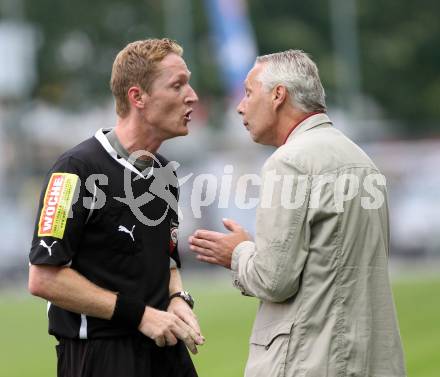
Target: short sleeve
column 166, row 186
column 174, row 230
column 61, row 215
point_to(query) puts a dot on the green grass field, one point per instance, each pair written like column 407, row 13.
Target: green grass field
column 226, row 319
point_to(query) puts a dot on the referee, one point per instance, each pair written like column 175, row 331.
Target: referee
column 104, row 252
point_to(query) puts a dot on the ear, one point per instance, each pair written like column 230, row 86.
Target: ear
column 135, row 97
column 279, row 95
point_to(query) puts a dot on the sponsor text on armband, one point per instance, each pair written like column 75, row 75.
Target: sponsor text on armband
column 56, row 206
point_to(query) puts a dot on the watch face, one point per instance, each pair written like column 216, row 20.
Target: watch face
column 187, row 297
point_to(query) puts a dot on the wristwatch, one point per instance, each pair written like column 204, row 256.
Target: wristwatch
column 185, row 296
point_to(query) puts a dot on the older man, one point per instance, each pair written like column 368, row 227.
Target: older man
column 104, row 252
column 319, row 260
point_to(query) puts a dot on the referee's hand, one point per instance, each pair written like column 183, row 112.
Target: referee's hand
column 165, row 328
column 180, row 308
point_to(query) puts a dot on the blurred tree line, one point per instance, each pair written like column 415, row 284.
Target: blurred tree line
column 398, row 43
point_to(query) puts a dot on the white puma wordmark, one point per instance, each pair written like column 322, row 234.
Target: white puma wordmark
column 49, row 248
column 125, row 230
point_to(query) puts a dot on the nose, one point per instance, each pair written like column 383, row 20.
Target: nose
column 191, row 96
column 240, row 108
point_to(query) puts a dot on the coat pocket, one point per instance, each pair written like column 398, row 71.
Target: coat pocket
column 268, row 350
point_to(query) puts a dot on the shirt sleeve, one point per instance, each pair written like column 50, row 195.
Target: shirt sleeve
column 174, row 231
column 166, row 186
column 173, row 263
column 61, row 214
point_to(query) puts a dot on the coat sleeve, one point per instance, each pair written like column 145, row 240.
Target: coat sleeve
column 270, row 268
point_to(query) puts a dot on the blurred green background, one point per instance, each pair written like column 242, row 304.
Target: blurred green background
column 226, row 319
column 379, row 62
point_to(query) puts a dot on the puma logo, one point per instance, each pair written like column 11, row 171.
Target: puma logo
column 49, row 248
column 125, row 230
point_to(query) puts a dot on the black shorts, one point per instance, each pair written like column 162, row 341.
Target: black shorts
column 135, row 356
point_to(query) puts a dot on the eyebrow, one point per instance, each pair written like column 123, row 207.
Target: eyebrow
column 182, row 75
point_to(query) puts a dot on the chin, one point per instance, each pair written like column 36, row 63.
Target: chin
column 255, row 137
column 260, row 139
column 184, row 132
column 177, row 133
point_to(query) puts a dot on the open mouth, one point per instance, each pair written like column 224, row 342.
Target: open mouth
column 187, row 115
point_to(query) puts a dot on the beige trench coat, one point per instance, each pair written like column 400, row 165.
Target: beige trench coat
column 319, row 263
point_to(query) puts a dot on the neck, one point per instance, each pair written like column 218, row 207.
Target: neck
column 290, row 122
column 135, row 136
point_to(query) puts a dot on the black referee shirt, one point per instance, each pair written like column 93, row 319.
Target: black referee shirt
column 114, row 225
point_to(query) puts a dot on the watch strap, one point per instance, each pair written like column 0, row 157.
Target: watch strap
column 185, row 296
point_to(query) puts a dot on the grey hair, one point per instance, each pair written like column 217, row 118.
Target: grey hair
column 295, row 70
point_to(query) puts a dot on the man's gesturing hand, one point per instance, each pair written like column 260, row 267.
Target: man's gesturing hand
column 216, row 248
column 165, row 328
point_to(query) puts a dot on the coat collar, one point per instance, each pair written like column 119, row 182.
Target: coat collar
column 307, row 124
